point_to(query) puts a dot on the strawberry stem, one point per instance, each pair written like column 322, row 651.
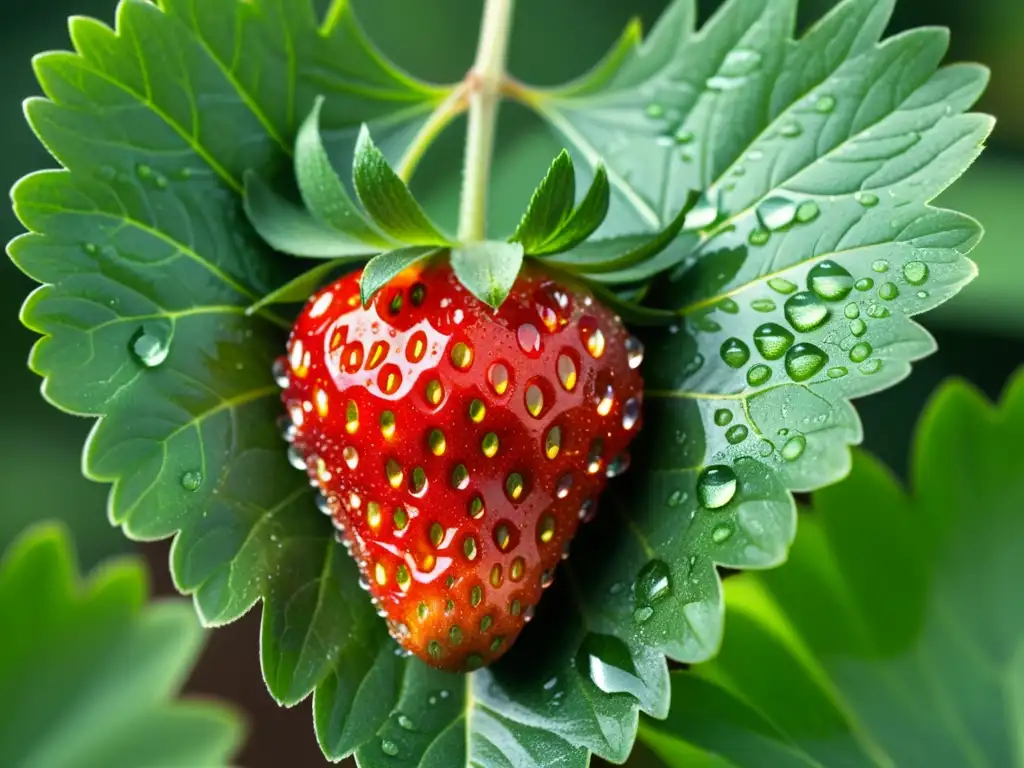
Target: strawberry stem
column 485, row 81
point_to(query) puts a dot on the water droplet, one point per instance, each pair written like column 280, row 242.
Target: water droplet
column 388, row 747
column 804, row 360
column 405, row 722
column 877, row 311
column 777, row 212
column 805, row 311
column 721, row 534
column 772, row 340
column 280, row 372
column 736, row 434
column 567, row 373
column 867, row 199
column 655, row 111
column 881, row 265
column 529, row 339
column 592, row 337
column 716, row 486
column 825, row 104
column 922, row 294
column 888, row 291
column 864, row 284
column 858, row 327
column 652, row 583
column 723, row 416
column 758, row 375
column 852, row 311
column 759, row 236
column 151, row 344
column 807, row 211
column 794, row 448
column 630, row 413
column 781, row 285
column 684, row 136
column 703, row 214
column 915, row 272
column 735, row 353
column 791, row 130
column 762, row 305
column 191, row 481
column 296, row 459
column 728, row 306
column 607, row 662
column 643, row 614
column 837, row 373
column 871, row 366
column 829, row 280
column 498, row 377
column 860, row 352
column 634, row 352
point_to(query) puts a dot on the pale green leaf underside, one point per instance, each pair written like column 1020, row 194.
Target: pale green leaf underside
column 66, row 665
column 149, row 265
column 910, row 656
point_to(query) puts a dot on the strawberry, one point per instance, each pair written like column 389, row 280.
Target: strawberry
column 458, row 448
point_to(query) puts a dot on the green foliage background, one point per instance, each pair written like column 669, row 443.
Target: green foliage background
column 979, row 333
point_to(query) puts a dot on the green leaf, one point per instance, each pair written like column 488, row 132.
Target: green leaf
column 297, row 290
column 91, row 672
column 387, row 198
column 488, row 269
column 322, row 190
column 382, row 269
column 894, row 635
column 552, row 223
column 288, row 228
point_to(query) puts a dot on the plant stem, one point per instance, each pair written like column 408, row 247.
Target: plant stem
column 453, row 106
column 485, row 82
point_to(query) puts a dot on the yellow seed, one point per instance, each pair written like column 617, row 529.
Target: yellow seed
column 373, row 514
column 435, row 392
column 380, row 574
column 401, row 518
column 387, row 424
column 419, row 480
column 476, row 595
column 477, row 411
column 377, row 352
column 498, row 376
column 351, row 417
column 427, row 563
column 402, row 578
column 595, row 343
column 553, row 442
column 547, row 529
column 476, row 507
column 460, row 477
column 502, row 537
column 390, row 383
column 462, row 356
column 395, row 473
column 514, row 485
column 419, row 346
column 534, row 400
column 496, row 577
column 516, row 571
column 469, row 548
column 489, row 445
column 567, row 373
column 320, row 398
column 514, row 607
column 438, row 444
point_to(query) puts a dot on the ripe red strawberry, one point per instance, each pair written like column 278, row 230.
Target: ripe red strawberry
column 458, row 448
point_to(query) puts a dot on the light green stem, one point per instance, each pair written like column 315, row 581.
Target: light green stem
column 485, row 82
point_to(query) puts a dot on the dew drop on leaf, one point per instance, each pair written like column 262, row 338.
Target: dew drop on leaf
column 296, row 459
column 765, row 448
column 684, row 136
column 191, row 481
column 881, row 265
column 791, row 129
column 837, row 373
column 758, row 375
column 877, row 311
column 860, row 352
column 405, row 722
column 794, row 448
column 721, row 534
column 888, row 291
column 704, row 214
column 852, row 311
column 762, row 305
column 728, row 306
column 736, row 434
column 772, row 340
column 825, row 104
column 716, row 486
column 759, row 236
column 607, row 662
column 655, row 111
column 864, row 284
column 777, row 212
column 781, row 285
column 735, row 353
column 151, row 344
column 388, row 747
column 807, row 212
column 871, row 366
column 652, row 583
column 804, row 360
column 805, row 311
column 915, row 272
column 830, row 281
column 858, row 327
column 723, row 416
column 867, row 199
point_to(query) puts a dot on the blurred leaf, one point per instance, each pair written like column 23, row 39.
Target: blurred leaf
column 89, row 672
column 894, row 635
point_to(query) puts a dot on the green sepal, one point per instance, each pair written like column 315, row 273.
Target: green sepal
column 288, row 228
column 552, row 224
column 387, row 198
column 488, row 269
column 382, row 269
column 300, row 288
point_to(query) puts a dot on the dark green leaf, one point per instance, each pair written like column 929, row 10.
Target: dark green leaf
column 551, row 223
column 382, row 269
column 90, row 673
column 288, row 228
column 488, row 269
column 894, row 635
column 302, row 287
column 387, row 198
column 322, row 190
